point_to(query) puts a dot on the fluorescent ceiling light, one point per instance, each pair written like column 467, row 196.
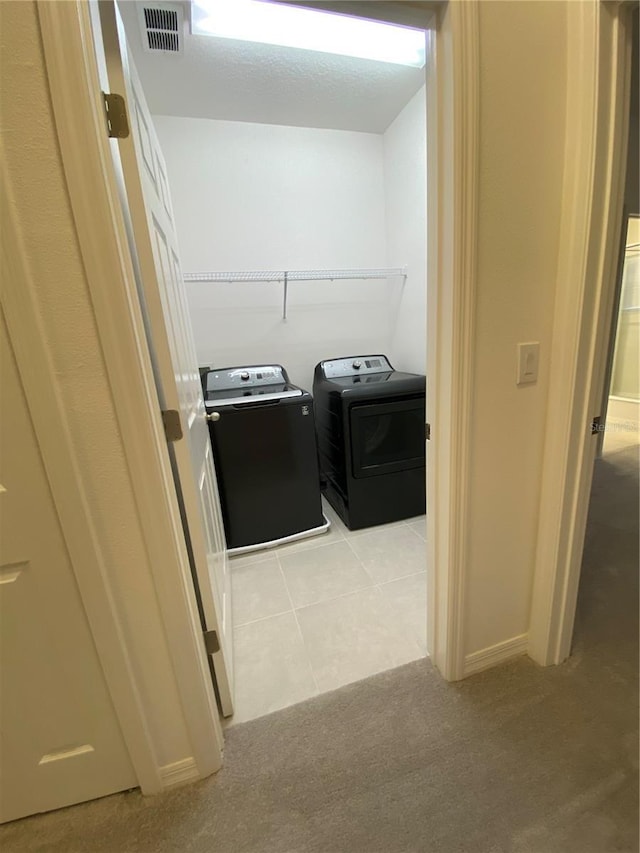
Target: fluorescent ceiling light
column 309, row 29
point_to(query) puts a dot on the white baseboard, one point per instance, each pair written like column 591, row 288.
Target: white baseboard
column 185, row 770
column 493, row 655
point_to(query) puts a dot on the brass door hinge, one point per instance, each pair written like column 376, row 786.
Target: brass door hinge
column 115, row 110
column 427, row 432
column 597, row 425
column 211, row 642
column 172, row 424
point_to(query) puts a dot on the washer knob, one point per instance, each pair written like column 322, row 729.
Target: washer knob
column 356, row 365
column 244, row 376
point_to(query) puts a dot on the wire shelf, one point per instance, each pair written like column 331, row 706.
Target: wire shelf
column 295, row 275
column 285, row 276
column 230, row 277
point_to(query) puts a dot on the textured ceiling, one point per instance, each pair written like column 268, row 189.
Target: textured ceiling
column 241, row 81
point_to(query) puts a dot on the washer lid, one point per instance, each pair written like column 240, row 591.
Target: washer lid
column 253, row 383
column 244, row 395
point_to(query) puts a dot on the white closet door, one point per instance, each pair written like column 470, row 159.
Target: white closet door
column 147, row 202
column 60, row 740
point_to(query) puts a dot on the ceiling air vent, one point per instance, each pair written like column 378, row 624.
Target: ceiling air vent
column 162, row 27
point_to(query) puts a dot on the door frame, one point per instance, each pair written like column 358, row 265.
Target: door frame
column 452, row 91
column 453, row 110
column 598, row 80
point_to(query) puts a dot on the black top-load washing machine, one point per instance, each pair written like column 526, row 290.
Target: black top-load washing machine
column 370, row 421
column 265, row 451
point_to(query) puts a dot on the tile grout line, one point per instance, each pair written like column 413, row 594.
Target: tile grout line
column 262, row 619
column 253, row 565
column 295, row 616
column 353, row 551
column 341, row 537
column 299, row 553
column 374, row 582
column 302, row 551
column 415, row 533
column 335, row 597
column 295, row 607
column 236, row 564
column 402, row 577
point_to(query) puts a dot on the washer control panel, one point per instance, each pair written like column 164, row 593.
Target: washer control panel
column 246, row 377
column 356, row 365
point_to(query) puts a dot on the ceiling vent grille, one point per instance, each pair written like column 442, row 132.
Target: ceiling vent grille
column 162, row 27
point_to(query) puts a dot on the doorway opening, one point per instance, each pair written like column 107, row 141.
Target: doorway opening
column 606, row 620
column 623, row 409
column 284, row 159
column 607, row 610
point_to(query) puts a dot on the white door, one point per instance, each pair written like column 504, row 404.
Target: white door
column 148, row 211
column 60, row 740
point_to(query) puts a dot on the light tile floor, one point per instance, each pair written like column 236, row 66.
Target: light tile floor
column 316, row 614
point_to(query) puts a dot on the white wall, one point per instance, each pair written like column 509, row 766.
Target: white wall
column 250, row 196
column 521, row 161
column 405, row 181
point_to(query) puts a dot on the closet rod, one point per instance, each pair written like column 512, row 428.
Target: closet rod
column 286, row 276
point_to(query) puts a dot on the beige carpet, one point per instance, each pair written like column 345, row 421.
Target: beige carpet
column 516, row 760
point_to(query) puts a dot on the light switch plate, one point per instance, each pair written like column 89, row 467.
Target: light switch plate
column 528, row 360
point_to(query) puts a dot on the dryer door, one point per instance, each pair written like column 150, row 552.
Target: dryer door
column 387, row 437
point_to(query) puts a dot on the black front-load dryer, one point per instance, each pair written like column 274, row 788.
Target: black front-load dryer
column 266, row 459
column 370, row 421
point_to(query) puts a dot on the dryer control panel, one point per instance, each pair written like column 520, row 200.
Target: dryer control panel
column 356, row 365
